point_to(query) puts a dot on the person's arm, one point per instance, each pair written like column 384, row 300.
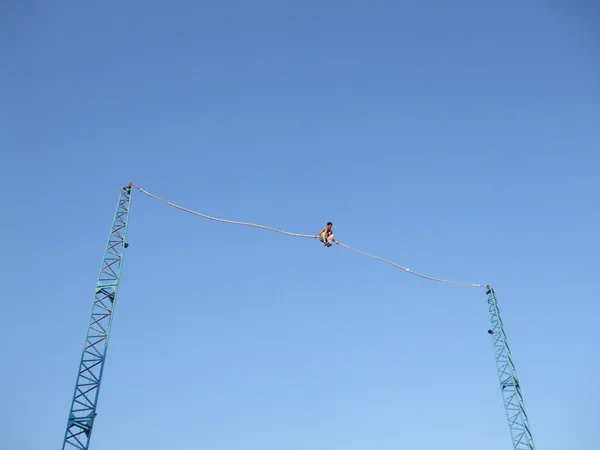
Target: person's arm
column 320, row 232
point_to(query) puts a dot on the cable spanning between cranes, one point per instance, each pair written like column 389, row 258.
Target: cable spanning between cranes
column 84, row 402
column 308, row 236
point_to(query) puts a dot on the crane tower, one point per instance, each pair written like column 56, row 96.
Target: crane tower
column 91, row 366
column 518, row 423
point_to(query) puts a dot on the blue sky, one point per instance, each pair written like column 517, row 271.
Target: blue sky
column 456, row 138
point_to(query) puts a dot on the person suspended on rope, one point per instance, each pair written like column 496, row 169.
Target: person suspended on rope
column 326, row 235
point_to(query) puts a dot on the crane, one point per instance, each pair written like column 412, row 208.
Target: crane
column 89, row 376
column 84, row 402
column 518, row 423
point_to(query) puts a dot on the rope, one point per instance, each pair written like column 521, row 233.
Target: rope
column 309, row 236
column 216, row 219
column 408, row 270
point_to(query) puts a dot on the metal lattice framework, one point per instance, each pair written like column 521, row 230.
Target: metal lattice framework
column 509, row 383
column 89, row 376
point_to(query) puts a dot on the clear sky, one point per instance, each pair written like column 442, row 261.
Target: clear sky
column 460, row 139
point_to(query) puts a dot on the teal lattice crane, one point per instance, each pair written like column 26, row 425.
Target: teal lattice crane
column 91, row 366
column 518, row 423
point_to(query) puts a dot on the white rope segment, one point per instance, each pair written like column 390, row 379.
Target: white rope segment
column 406, row 269
column 233, row 222
column 309, row 236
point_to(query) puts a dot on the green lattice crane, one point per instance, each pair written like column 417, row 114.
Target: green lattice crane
column 91, row 365
column 518, row 423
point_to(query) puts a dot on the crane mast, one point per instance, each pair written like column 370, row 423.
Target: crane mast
column 518, row 423
column 91, row 366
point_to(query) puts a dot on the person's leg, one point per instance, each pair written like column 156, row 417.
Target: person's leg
column 330, row 238
column 323, row 237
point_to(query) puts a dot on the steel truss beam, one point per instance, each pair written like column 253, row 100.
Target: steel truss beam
column 509, row 383
column 91, row 366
